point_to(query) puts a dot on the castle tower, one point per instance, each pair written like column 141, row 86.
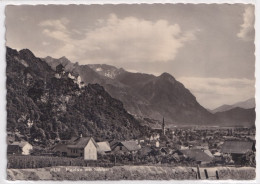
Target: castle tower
column 163, row 127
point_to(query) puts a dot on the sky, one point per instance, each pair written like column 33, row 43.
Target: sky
column 209, row 48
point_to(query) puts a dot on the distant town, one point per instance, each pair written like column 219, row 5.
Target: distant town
column 181, row 146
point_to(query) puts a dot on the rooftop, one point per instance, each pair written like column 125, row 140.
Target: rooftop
column 197, row 155
column 103, row 146
column 20, row 144
column 131, row 145
column 80, row 142
column 237, row 147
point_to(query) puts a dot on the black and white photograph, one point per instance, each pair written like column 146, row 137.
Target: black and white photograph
column 130, row 92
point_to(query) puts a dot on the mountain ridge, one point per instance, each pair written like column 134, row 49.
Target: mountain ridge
column 57, row 107
column 246, row 117
column 153, row 97
column 150, row 96
column 247, row 104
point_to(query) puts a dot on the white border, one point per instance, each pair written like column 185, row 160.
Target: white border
column 3, row 3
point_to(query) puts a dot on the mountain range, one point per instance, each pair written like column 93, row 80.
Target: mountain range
column 146, row 96
column 236, row 116
column 247, row 104
column 143, row 95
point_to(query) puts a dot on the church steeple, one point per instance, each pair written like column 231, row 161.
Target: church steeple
column 163, row 127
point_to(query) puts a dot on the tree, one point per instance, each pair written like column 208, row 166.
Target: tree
column 249, row 159
column 37, row 90
column 228, row 158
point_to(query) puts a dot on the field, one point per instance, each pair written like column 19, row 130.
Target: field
column 129, row 173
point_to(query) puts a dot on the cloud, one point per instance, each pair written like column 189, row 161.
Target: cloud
column 247, row 28
column 56, row 24
column 45, row 43
column 116, row 40
column 214, row 92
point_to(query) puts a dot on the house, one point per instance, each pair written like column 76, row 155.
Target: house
column 155, row 137
column 20, row 148
column 14, row 150
column 218, row 158
column 237, row 147
column 166, row 151
column 126, row 147
column 194, row 144
column 155, row 143
column 208, row 152
column 184, row 147
column 217, row 154
column 103, row 147
column 142, row 141
column 61, row 148
column 85, row 147
column 113, row 142
column 198, row 155
column 202, row 146
column 145, row 150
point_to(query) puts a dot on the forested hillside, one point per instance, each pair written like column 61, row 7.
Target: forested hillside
column 44, row 104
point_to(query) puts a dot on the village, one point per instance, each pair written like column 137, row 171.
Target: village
column 179, row 146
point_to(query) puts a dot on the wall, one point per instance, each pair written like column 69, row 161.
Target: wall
column 75, row 152
column 90, row 151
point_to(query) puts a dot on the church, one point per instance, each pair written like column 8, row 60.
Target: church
column 157, row 132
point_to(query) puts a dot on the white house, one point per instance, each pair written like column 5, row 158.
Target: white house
column 80, row 147
column 90, row 150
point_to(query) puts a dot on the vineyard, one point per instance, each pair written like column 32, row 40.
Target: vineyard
column 22, row 162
